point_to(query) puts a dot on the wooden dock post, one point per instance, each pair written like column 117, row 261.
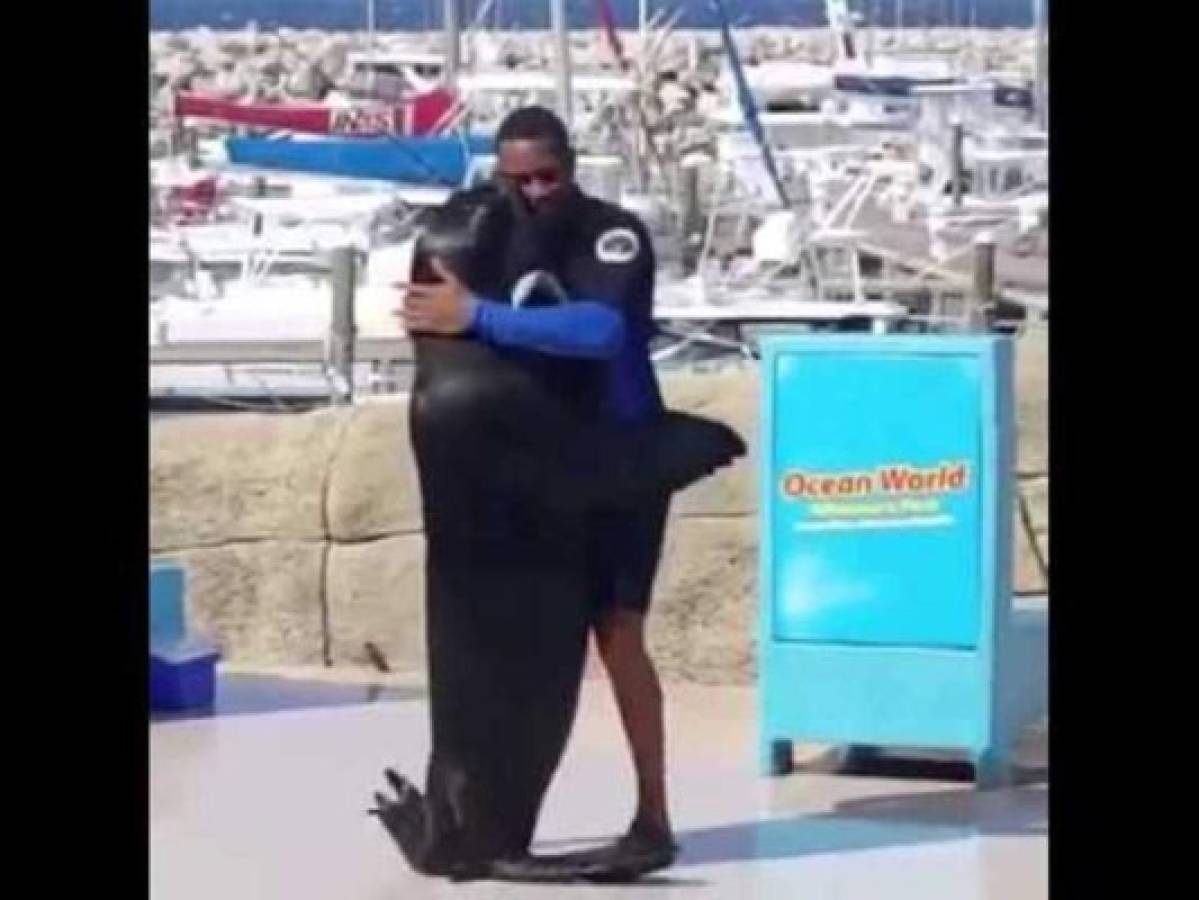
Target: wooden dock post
column 957, row 162
column 191, row 147
column 341, row 323
column 258, row 189
column 979, row 310
column 693, row 223
column 178, row 142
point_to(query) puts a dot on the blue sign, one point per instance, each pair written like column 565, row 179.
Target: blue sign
column 886, row 510
column 875, row 522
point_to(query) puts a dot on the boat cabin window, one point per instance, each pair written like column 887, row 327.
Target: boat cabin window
column 380, row 69
column 968, row 181
column 1003, row 180
column 792, row 105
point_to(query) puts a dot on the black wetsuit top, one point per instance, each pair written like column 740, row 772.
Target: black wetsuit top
column 603, row 257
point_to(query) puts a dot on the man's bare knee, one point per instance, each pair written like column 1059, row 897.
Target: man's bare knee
column 620, row 638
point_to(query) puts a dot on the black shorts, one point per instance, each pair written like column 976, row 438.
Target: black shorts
column 624, row 545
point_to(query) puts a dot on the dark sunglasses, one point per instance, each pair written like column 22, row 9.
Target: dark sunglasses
column 548, row 177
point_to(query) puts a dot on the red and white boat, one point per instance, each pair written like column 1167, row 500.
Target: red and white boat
column 427, row 113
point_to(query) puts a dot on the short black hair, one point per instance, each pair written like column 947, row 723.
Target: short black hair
column 536, row 123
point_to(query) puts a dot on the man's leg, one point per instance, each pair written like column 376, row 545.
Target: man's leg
column 620, row 635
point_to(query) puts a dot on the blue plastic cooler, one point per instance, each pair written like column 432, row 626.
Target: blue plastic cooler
column 182, row 666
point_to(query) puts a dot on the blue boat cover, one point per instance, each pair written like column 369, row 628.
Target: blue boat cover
column 413, row 160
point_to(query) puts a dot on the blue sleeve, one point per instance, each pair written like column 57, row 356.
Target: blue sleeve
column 584, row 329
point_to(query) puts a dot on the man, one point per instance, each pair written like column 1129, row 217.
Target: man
column 602, row 257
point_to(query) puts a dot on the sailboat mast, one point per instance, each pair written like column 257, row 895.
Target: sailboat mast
column 562, row 58
column 1041, row 98
column 453, row 42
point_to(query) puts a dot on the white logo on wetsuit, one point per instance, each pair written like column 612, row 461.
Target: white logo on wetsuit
column 617, row 245
column 537, row 282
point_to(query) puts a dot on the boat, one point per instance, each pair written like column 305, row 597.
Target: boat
column 871, row 97
column 419, row 114
column 425, row 160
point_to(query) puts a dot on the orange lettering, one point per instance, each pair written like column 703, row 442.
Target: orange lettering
column 955, row 478
column 894, row 478
column 793, row 484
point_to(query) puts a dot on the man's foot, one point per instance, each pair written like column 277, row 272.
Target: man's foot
column 643, row 849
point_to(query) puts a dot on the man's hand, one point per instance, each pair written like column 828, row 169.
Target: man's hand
column 442, row 308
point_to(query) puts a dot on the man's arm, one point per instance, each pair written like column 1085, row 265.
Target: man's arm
column 616, row 279
column 584, row 328
column 614, row 273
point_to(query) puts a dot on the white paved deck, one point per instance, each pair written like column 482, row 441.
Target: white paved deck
column 272, row 807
